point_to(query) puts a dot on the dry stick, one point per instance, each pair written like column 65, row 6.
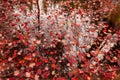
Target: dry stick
column 107, row 47
column 21, row 29
column 77, row 48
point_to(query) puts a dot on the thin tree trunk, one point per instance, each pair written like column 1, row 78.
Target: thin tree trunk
column 38, row 16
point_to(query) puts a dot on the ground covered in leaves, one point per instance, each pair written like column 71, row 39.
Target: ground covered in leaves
column 71, row 42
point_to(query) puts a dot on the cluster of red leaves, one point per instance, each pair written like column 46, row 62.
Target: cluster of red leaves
column 28, row 55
